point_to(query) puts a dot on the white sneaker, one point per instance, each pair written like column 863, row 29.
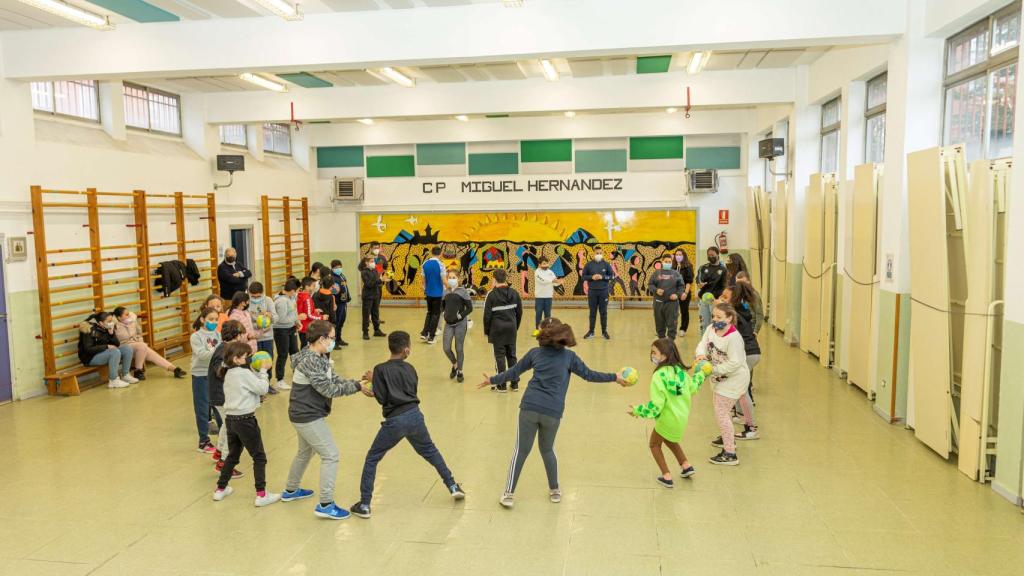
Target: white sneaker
column 267, row 500
column 555, row 495
column 219, row 495
column 117, row 383
column 283, row 385
column 129, row 379
column 508, row 500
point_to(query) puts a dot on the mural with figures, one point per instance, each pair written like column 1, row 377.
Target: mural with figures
column 478, row 243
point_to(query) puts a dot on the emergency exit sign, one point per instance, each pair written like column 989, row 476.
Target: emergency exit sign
column 723, row 216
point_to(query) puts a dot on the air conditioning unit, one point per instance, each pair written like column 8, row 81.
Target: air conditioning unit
column 703, row 180
column 348, row 190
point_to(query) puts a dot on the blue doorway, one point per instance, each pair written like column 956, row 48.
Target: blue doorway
column 6, row 382
column 241, row 241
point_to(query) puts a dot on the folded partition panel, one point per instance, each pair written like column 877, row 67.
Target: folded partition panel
column 936, row 179
column 777, row 306
column 983, row 317
column 827, row 301
column 765, row 218
column 754, row 233
column 813, row 264
column 861, row 273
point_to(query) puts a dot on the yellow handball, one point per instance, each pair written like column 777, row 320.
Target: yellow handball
column 708, row 297
column 258, row 359
column 703, row 366
column 630, row 375
column 262, row 322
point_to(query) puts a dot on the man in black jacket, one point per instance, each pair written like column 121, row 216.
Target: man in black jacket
column 598, row 275
column 370, row 297
column 711, row 279
column 503, row 313
column 233, row 277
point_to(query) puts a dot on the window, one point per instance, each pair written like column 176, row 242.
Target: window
column 980, row 85
column 277, row 138
column 151, row 109
column 874, row 119
column 232, row 134
column 75, row 98
column 830, row 123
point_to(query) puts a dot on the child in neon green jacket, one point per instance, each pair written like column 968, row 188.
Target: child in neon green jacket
column 671, row 391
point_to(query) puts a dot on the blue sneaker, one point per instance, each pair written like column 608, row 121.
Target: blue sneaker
column 299, row 494
column 331, row 511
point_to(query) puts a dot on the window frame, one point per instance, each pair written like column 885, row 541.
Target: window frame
column 874, row 111
column 53, row 102
column 150, row 90
column 983, row 70
column 245, row 136
column 287, row 130
column 827, row 130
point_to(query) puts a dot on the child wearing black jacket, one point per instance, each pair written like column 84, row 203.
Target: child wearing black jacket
column 230, row 331
column 503, row 313
column 394, row 387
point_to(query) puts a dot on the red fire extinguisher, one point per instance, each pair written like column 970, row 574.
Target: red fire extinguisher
column 722, row 242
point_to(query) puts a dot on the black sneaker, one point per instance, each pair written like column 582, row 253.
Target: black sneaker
column 607, row 336
column 588, row 335
column 453, row 373
column 379, row 334
column 514, row 387
column 360, row 509
column 687, row 472
column 140, row 375
column 749, row 433
column 341, row 343
column 501, row 388
column 725, row 459
column 366, row 336
column 456, row 491
column 459, row 377
column 666, row 483
column 178, row 373
column 717, row 443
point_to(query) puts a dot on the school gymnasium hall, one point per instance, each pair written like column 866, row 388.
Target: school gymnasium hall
column 511, row 287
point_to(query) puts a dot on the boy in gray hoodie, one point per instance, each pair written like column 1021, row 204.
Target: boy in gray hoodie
column 286, row 322
column 666, row 285
column 456, row 306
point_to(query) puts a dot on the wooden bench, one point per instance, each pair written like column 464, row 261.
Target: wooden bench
column 65, row 383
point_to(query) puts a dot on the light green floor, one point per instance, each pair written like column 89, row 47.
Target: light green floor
column 110, row 483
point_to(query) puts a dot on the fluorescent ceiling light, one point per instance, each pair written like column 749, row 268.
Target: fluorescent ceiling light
column 282, row 8
column 462, row 118
column 512, row 3
column 397, row 77
column 72, row 13
column 570, row 114
column 262, row 82
column 367, row 121
column 697, row 62
column 671, row 110
column 550, row 72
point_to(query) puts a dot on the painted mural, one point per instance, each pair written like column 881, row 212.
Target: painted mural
column 478, row 243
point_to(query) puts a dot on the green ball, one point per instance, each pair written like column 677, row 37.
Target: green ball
column 258, row 358
column 630, row 375
column 708, row 297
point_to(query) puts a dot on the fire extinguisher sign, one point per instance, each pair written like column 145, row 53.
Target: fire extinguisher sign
column 723, row 216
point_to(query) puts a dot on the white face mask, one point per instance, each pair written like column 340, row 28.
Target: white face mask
column 655, row 360
column 666, row 265
column 453, row 282
column 598, row 257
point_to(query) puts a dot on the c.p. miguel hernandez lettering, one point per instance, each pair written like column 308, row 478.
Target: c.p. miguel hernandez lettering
column 531, row 185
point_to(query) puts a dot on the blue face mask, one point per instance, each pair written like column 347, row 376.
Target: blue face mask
column 719, row 325
column 337, row 271
column 211, row 326
column 330, row 346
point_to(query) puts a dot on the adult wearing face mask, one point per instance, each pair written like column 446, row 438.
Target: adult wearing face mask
column 342, row 297
column 233, row 277
column 711, row 278
column 685, row 269
column 381, row 264
column 598, row 274
column 666, row 285
column 98, row 345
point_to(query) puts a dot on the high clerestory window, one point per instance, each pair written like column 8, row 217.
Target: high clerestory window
column 233, row 134
column 830, row 123
column 277, row 138
column 981, row 84
column 874, row 119
column 73, row 98
column 151, row 109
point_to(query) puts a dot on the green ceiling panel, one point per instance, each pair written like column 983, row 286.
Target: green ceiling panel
column 600, row 161
column 720, row 158
column 444, row 154
column 655, row 147
column 493, row 163
column 305, row 80
column 137, row 10
column 652, row 64
column 390, row 166
column 339, row 157
column 546, row 150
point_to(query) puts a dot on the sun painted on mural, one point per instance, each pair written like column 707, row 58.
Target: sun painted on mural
column 477, row 243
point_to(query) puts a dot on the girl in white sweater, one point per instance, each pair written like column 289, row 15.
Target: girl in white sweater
column 722, row 346
column 242, row 390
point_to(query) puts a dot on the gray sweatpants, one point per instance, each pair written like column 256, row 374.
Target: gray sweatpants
column 534, row 424
column 316, row 437
column 458, row 334
column 666, row 317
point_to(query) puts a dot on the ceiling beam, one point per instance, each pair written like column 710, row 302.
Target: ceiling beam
column 465, row 33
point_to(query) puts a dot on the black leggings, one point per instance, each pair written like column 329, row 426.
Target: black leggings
column 244, row 432
column 285, row 344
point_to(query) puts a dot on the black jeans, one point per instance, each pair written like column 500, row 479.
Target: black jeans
column 598, row 302
column 409, row 426
column 433, row 317
column 244, row 431
column 684, row 314
column 505, row 356
column 339, row 321
column 285, row 344
column 371, row 309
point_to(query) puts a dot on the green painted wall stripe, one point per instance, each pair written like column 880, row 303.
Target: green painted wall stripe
column 546, row 150
column 655, row 147
column 137, row 10
column 339, row 157
column 721, row 158
column 441, row 154
column 600, row 160
column 493, row 163
column 496, row 115
column 390, row 166
column 652, row 64
column 305, row 80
